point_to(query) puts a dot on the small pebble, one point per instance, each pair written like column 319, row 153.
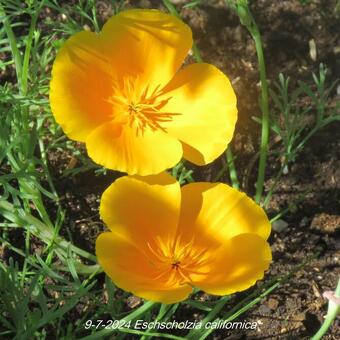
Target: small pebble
column 279, row 225
column 336, row 49
column 312, row 49
column 273, row 303
column 285, row 170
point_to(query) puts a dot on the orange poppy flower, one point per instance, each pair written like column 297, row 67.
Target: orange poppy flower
column 122, row 92
column 164, row 239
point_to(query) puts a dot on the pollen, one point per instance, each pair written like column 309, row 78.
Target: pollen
column 177, row 261
column 175, row 265
column 139, row 107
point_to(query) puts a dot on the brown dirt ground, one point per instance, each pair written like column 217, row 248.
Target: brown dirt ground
column 295, row 310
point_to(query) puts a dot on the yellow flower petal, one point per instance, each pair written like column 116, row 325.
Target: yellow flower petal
column 150, row 43
column 219, row 245
column 206, row 103
column 217, row 211
column 120, row 89
column 142, row 209
column 120, row 148
column 130, row 269
column 81, row 85
column 236, row 266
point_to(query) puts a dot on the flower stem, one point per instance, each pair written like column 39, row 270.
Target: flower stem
column 13, row 44
column 25, row 65
column 232, row 170
column 196, row 52
column 265, row 118
column 333, row 310
column 247, row 19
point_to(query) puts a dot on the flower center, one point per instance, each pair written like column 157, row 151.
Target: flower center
column 175, row 265
column 133, row 104
column 177, row 262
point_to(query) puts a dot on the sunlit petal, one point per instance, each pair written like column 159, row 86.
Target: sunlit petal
column 236, row 265
column 149, row 43
column 142, row 208
column 81, row 85
column 121, row 92
column 121, row 148
column 206, row 103
column 205, row 251
column 217, row 211
column 131, row 270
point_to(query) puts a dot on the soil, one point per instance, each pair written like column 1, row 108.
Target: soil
column 296, row 309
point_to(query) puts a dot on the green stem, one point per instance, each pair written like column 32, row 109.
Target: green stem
column 247, row 19
column 22, row 76
column 265, row 117
column 47, row 171
column 28, row 186
column 39, row 229
column 13, row 44
column 94, row 16
column 25, row 68
column 333, row 310
column 232, row 170
column 197, row 53
column 171, row 8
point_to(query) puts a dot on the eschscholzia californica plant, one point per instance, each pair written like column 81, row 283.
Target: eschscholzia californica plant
column 122, row 92
column 164, row 240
